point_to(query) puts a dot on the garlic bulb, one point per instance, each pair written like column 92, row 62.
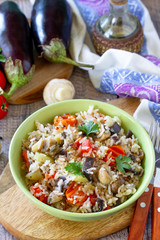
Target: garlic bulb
column 58, row 90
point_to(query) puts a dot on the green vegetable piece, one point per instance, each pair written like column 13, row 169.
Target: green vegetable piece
column 89, row 128
column 122, row 163
column 75, row 168
column 80, row 178
column 2, row 58
column 35, row 176
column 41, row 157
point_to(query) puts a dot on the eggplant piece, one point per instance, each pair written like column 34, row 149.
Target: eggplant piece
column 137, row 158
column 133, row 157
column 118, row 202
column 88, row 163
column 129, row 134
column 140, row 173
column 51, row 25
column 116, row 128
column 16, row 46
column 99, row 204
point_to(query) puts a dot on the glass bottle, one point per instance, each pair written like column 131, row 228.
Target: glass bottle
column 118, row 29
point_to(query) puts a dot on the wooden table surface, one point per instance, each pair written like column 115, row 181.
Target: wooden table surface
column 84, row 89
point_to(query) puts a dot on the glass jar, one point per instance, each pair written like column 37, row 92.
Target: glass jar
column 118, row 29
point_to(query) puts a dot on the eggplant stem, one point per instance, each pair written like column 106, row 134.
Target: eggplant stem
column 12, row 89
column 55, row 51
column 15, row 75
column 70, row 61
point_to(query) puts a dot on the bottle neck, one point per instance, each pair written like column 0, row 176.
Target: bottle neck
column 118, row 8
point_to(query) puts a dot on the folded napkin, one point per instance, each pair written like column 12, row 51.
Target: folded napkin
column 116, row 71
column 147, row 112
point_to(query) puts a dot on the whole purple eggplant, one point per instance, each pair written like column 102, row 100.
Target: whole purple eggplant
column 16, row 46
column 51, row 27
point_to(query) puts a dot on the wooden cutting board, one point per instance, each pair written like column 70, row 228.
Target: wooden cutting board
column 25, row 221
column 44, row 72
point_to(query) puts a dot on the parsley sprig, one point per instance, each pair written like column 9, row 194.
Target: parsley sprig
column 122, row 163
column 75, row 168
column 89, row 128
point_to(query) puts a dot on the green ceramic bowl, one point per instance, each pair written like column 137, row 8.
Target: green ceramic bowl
column 47, row 114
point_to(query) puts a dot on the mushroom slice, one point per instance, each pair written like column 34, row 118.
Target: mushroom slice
column 104, row 176
column 104, row 136
column 141, row 154
column 116, row 184
column 58, row 90
column 55, row 197
column 43, row 145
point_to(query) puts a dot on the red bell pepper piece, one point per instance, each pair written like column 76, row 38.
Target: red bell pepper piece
column 37, row 192
column 25, row 158
column 48, row 175
column 113, row 152
column 64, row 120
column 75, row 195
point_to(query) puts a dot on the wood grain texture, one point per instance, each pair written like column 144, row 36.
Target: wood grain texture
column 44, row 72
column 140, row 215
column 31, row 223
column 156, row 214
column 6, row 179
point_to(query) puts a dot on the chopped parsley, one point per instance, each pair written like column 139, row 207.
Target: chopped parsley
column 122, row 163
column 75, row 168
column 89, row 128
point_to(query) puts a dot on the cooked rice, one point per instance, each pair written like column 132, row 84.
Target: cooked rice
column 56, row 146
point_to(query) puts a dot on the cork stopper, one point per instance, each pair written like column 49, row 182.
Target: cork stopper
column 118, row 2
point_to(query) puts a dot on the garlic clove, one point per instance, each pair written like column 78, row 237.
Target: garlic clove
column 58, row 90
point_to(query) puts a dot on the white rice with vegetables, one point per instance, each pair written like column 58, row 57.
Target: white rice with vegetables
column 83, row 162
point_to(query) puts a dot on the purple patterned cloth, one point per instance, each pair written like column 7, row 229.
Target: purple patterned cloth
column 153, row 59
column 100, row 7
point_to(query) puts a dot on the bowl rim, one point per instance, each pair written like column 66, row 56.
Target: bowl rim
column 67, row 214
